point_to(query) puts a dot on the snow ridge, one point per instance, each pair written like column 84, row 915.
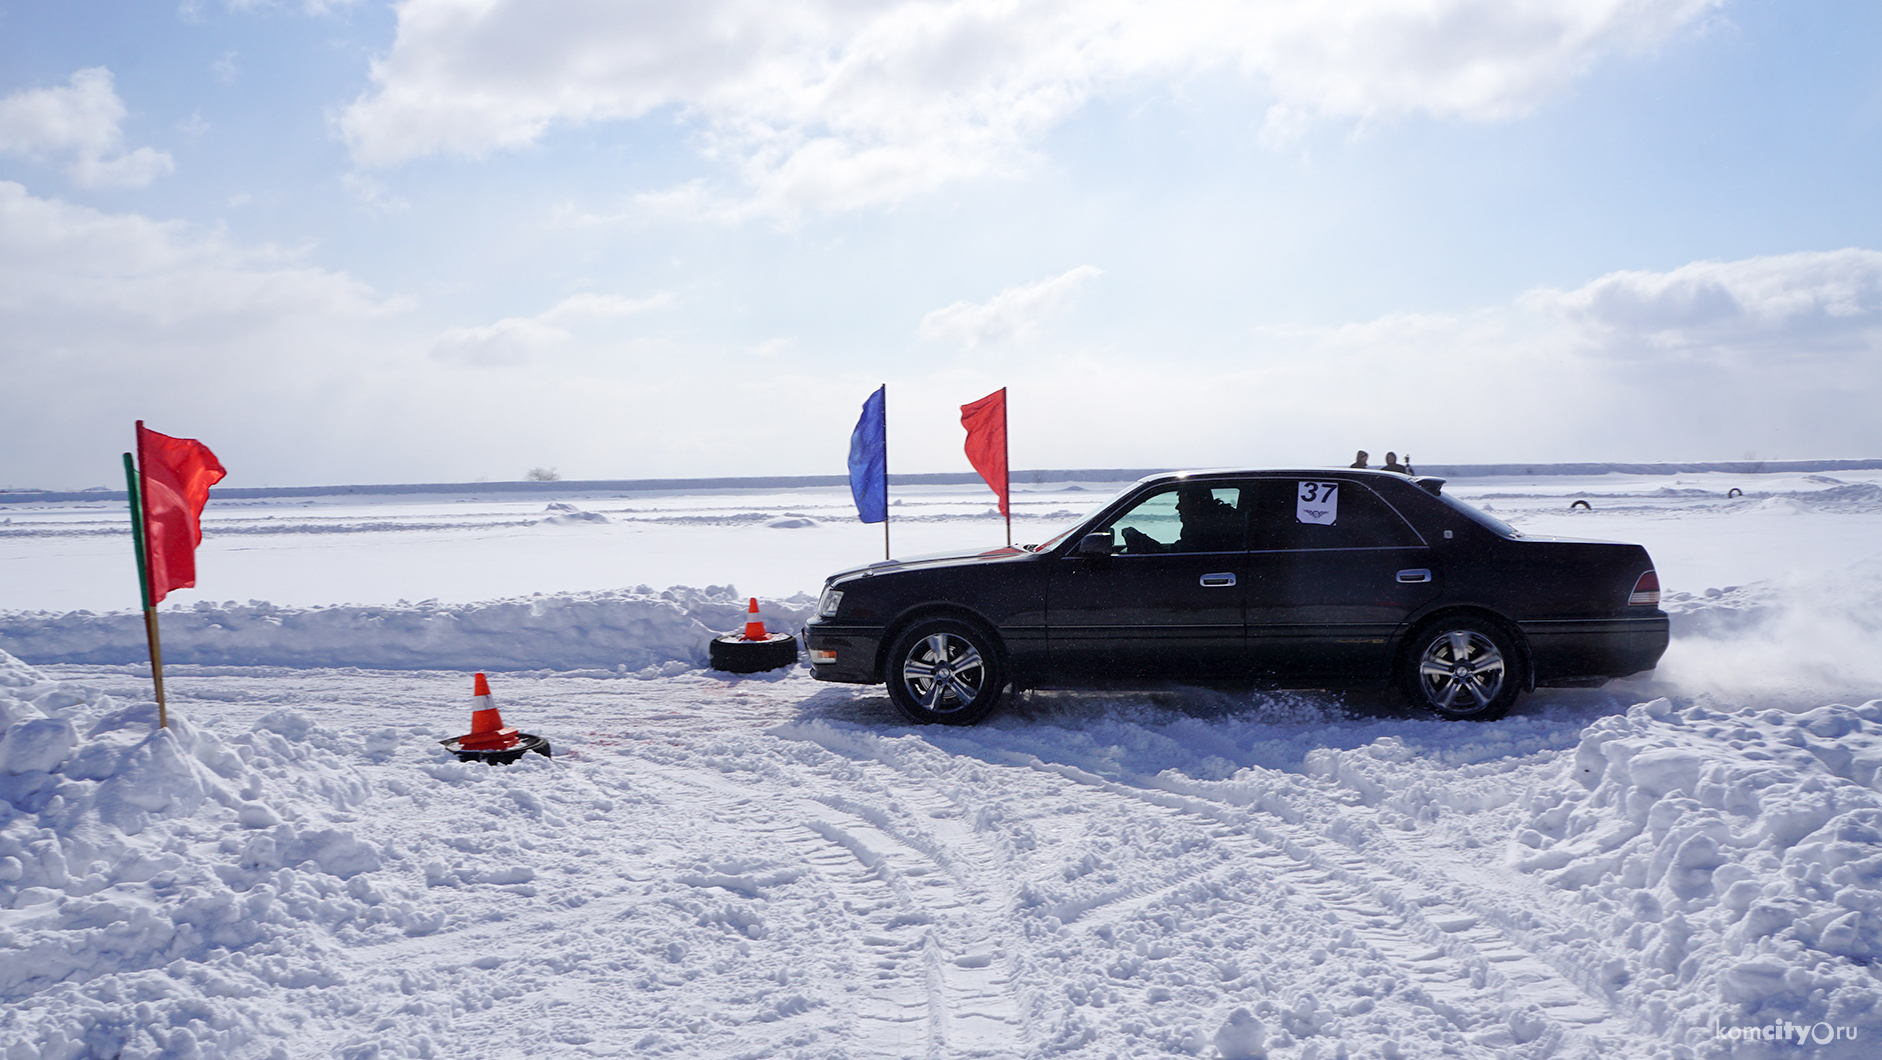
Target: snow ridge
column 627, row 630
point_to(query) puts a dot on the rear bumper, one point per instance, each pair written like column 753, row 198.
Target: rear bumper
column 846, row 654
column 1567, row 650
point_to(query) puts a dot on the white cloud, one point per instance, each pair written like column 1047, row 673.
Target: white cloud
column 821, row 105
column 603, row 306
column 512, row 340
column 1777, row 355
column 517, row 340
column 65, row 265
column 78, row 126
column 106, row 318
column 1013, row 313
column 1789, row 306
column 296, row 374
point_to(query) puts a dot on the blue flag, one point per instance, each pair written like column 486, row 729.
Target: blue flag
column 869, row 459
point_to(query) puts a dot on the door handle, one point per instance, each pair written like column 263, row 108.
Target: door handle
column 1216, row 580
column 1414, row 575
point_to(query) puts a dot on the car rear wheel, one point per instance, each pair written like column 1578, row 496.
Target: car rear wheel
column 947, row 671
column 1465, row 669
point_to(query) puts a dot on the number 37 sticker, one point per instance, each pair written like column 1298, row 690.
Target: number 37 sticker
column 1317, row 502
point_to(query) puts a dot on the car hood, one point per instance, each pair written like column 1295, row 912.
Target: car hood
column 962, row 558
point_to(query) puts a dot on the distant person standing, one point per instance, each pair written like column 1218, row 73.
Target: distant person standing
column 1360, row 462
column 1408, row 467
column 1392, row 464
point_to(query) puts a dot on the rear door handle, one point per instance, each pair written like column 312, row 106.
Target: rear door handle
column 1215, row 580
column 1416, row 574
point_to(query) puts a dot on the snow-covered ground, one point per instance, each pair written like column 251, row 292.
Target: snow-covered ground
column 716, row 866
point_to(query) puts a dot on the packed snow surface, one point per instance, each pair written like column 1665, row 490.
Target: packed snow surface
column 1683, row 864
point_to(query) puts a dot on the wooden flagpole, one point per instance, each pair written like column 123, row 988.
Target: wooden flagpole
column 138, row 539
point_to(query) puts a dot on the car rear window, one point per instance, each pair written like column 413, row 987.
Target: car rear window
column 1323, row 513
column 1484, row 519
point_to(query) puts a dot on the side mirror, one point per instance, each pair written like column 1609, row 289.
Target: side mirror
column 1098, row 544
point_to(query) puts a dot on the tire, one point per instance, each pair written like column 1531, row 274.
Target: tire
column 945, row 671
column 1464, row 669
column 736, row 655
column 525, row 743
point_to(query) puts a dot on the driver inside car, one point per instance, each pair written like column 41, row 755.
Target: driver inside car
column 1208, row 524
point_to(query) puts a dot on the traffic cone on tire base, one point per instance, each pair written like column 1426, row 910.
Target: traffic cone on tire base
column 753, row 650
column 490, row 740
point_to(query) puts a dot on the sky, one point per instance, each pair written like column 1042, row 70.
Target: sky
column 455, row 240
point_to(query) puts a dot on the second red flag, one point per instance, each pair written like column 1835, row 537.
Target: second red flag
column 985, row 421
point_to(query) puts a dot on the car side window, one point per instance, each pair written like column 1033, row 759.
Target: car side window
column 1184, row 518
column 1299, row 513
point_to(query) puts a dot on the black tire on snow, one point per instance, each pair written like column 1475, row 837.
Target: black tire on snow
column 525, row 743
column 945, row 670
column 736, row 655
column 1464, row 669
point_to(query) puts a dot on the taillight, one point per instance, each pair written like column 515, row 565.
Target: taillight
column 1646, row 591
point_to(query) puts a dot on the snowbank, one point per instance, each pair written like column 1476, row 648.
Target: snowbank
column 1731, row 864
column 628, row 630
column 163, row 888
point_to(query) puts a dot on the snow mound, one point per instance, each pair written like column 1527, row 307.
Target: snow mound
column 1732, row 860
column 628, row 630
column 163, row 888
column 1853, row 497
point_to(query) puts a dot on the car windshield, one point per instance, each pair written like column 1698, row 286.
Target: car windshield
column 1059, row 538
column 1484, row 519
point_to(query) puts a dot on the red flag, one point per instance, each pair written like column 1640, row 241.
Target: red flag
column 985, row 421
column 176, row 476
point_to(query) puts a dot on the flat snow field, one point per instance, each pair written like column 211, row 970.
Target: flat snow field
column 1683, row 864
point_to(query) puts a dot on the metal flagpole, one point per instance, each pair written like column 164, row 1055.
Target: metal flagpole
column 885, row 471
column 1006, row 465
column 138, row 538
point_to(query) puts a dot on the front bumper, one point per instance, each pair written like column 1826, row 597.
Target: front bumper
column 842, row 653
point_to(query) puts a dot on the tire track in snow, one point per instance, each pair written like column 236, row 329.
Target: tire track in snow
column 929, row 937
column 1468, row 960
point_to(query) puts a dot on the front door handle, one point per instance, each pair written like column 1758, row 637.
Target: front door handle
column 1415, row 575
column 1215, row 580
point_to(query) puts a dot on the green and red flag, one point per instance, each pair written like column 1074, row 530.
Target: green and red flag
column 173, row 485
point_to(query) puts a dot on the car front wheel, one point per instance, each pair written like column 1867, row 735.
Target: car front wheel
column 1464, row 669
column 947, row 671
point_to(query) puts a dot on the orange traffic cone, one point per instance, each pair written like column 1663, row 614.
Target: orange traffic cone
column 754, row 626
column 490, row 740
column 487, row 730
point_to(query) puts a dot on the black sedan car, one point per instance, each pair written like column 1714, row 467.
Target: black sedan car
column 1274, row 578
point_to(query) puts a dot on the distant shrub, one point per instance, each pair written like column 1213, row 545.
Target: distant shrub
column 544, row 474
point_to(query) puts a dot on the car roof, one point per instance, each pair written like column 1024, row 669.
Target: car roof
column 1275, row 472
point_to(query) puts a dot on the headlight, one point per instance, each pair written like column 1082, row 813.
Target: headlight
column 829, row 602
